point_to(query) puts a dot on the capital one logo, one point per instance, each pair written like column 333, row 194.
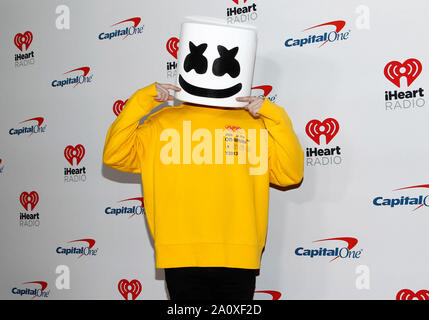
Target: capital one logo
column 127, row 210
column 125, row 32
column 33, row 128
column 407, row 294
column 29, row 200
column 332, row 36
column 35, row 292
column 80, row 250
column 118, row 106
column 23, row 39
column 81, row 77
column 403, row 200
column 344, row 252
column 411, row 99
column 131, row 288
column 327, row 128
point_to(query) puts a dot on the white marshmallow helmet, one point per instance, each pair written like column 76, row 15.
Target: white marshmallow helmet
column 215, row 63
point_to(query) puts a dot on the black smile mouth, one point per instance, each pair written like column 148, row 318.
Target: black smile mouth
column 209, row 93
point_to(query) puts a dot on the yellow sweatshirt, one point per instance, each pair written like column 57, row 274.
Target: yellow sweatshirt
column 201, row 211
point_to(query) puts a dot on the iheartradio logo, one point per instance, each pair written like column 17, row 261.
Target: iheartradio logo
column 131, row 288
column 76, row 152
column 413, row 99
column 118, row 106
column 29, row 200
column 407, row 294
column 241, row 14
column 23, row 39
column 74, row 155
column 328, row 128
column 172, row 46
column 410, row 69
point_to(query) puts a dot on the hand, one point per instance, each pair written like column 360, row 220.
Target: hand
column 163, row 93
column 255, row 103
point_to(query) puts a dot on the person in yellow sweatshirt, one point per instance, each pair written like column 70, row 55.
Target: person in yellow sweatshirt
column 206, row 203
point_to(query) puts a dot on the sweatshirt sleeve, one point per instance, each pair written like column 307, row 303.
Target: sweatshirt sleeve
column 285, row 155
column 126, row 140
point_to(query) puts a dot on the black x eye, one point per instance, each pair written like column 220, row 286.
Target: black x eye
column 226, row 63
column 195, row 60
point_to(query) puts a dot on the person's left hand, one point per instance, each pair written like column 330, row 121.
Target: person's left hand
column 255, row 103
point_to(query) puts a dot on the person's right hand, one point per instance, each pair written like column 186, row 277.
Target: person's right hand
column 163, row 93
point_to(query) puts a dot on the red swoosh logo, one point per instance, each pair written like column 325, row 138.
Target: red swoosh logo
column 137, row 198
column 38, row 119
column 44, row 284
column 413, row 187
column 338, row 24
column 135, row 21
column 420, row 186
column 351, row 243
column 91, row 243
column 275, row 294
column 266, row 89
column 84, row 69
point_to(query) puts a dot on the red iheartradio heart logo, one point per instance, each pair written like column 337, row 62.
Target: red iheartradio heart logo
column 173, row 46
column 29, row 199
column 118, row 106
column 134, row 287
column 77, row 152
column 328, row 127
column 407, row 294
column 410, row 69
column 21, row 39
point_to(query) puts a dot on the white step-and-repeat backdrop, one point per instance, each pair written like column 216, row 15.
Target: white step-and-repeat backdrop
column 351, row 75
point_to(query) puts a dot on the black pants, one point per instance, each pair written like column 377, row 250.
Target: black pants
column 210, row 283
